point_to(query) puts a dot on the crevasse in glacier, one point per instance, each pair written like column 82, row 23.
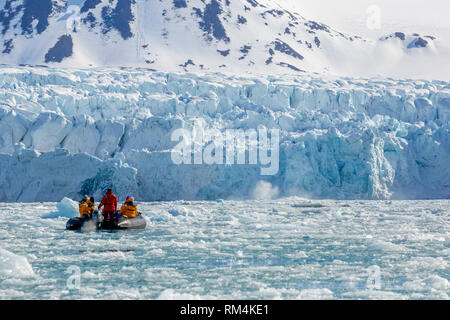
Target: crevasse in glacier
column 68, row 132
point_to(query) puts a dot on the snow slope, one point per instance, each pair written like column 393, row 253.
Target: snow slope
column 237, row 36
column 70, row 132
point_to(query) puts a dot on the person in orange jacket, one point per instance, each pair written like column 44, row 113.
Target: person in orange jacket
column 129, row 209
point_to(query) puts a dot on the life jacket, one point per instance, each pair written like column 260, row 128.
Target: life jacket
column 109, row 202
column 91, row 206
column 129, row 209
column 83, row 207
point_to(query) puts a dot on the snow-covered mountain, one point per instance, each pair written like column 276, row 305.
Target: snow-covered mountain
column 256, row 36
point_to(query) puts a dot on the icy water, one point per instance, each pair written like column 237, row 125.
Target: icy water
column 284, row 249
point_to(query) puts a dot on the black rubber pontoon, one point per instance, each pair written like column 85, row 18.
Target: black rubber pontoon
column 86, row 224
column 107, row 224
column 74, row 224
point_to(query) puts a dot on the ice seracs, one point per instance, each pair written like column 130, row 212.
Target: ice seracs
column 66, row 132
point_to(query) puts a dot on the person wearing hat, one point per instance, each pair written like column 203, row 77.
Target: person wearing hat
column 129, row 208
column 84, row 208
column 91, row 205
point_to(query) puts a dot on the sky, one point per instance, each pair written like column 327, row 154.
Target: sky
column 350, row 16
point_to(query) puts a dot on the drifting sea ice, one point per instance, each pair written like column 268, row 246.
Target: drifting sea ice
column 279, row 249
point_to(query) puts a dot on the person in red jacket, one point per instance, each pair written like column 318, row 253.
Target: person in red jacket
column 109, row 202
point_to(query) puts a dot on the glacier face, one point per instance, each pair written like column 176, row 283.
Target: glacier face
column 66, row 132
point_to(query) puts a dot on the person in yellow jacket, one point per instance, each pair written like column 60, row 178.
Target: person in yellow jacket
column 91, row 204
column 129, row 209
column 84, row 208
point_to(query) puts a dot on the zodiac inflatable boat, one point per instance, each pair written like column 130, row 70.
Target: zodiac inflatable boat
column 99, row 223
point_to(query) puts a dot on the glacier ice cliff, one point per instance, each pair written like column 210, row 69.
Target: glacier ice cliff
column 66, row 132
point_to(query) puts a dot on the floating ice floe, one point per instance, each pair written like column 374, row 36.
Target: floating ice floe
column 65, row 208
column 13, row 265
